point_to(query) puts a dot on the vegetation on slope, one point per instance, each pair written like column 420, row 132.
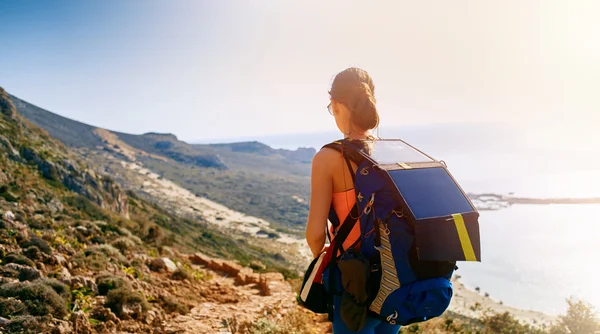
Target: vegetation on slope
column 63, row 228
column 272, row 184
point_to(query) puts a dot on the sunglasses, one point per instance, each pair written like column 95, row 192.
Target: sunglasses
column 329, row 109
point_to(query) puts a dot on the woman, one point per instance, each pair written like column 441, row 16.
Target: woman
column 353, row 107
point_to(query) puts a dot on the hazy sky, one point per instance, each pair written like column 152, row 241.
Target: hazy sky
column 211, row 69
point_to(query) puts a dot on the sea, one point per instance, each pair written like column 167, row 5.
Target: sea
column 533, row 256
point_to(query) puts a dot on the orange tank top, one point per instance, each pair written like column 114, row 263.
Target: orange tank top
column 342, row 204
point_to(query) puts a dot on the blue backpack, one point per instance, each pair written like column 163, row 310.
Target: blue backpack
column 415, row 223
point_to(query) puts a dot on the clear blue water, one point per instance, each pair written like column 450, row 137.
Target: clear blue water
column 535, row 256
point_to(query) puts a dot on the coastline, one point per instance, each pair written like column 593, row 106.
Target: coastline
column 491, row 201
column 473, row 304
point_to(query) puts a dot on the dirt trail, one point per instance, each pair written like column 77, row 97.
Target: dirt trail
column 230, row 307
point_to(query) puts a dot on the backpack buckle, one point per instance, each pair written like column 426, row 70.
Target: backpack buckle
column 372, row 199
column 369, row 205
column 392, row 318
column 398, row 214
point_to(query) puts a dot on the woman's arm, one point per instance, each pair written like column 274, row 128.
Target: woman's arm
column 321, row 188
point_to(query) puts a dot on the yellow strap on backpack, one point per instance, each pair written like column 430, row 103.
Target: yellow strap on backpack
column 463, row 235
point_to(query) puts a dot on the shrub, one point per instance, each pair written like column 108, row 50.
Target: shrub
column 33, row 253
column 110, row 251
column 293, row 322
column 39, row 224
column 59, row 287
column 120, row 297
column 106, row 283
column 9, row 272
column 123, row 244
column 28, row 324
column 39, row 243
column 580, row 318
column 95, row 261
column 98, row 239
column 170, row 305
column 181, row 274
column 506, row 323
column 28, row 274
column 39, row 298
column 11, row 307
column 83, row 299
column 18, row 259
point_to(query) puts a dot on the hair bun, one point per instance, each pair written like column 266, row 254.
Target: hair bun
column 354, row 88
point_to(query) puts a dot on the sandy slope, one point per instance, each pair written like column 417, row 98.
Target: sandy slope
column 464, row 302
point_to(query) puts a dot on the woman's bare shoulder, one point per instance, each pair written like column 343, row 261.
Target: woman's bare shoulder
column 326, row 155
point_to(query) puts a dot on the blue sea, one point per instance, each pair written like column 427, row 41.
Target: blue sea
column 533, row 256
column 536, row 256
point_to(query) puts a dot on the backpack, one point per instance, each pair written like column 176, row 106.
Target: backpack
column 415, row 223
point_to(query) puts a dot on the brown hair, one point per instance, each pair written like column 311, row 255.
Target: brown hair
column 354, row 88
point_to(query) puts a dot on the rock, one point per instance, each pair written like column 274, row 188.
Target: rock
column 231, row 268
column 64, row 274
column 253, row 279
column 272, row 283
column 82, row 229
column 60, row 260
column 80, row 322
column 62, row 327
column 9, row 216
column 71, row 166
column 200, row 259
column 4, row 321
column 164, row 263
column 150, row 317
column 12, row 153
column 216, row 264
column 131, row 311
column 7, row 107
column 104, row 314
column 6, row 280
column 247, row 276
column 55, row 205
column 80, row 281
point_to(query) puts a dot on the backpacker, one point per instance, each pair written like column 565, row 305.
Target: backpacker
column 415, row 223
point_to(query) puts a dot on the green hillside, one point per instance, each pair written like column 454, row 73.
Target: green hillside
column 250, row 177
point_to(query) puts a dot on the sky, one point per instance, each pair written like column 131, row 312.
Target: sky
column 221, row 69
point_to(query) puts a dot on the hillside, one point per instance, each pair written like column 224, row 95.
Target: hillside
column 230, row 174
column 79, row 253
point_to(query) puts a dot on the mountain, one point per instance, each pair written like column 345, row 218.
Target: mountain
column 249, row 177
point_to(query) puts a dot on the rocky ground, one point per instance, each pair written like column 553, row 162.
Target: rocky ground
column 177, row 294
column 235, row 299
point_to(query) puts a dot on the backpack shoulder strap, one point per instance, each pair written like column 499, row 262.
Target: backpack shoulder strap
column 337, row 145
column 340, row 147
column 354, row 150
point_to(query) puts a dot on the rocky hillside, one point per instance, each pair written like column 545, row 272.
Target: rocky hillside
column 252, row 178
column 79, row 254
